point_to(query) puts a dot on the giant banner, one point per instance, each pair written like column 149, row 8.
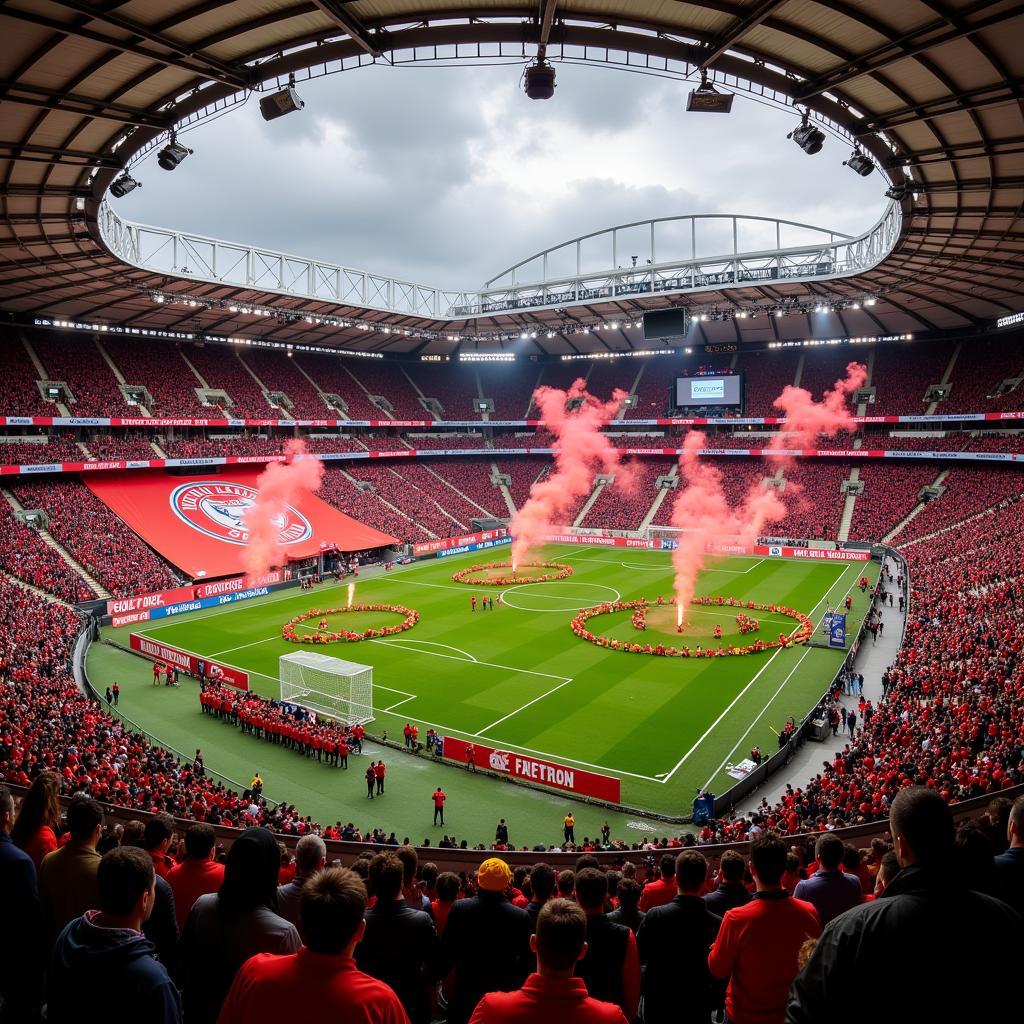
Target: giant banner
column 429, row 547
column 534, row 769
column 187, row 662
column 198, row 523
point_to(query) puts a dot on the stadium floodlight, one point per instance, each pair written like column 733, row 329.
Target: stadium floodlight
column 277, row 104
column 860, row 163
column 172, row 154
column 539, row 80
column 897, row 192
column 809, row 138
column 707, row 99
column 343, row 690
column 120, row 187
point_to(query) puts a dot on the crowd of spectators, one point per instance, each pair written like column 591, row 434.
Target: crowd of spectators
column 27, row 557
column 96, row 538
column 161, row 370
column 890, row 494
column 279, row 372
column 78, row 362
column 765, row 374
column 814, row 499
column 117, row 447
column 19, row 393
column 446, row 477
column 902, row 375
column 620, row 509
column 56, row 448
column 338, row 377
column 454, row 385
column 390, row 382
column 339, row 490
column 981, row 366
column 396, row 488
column 510, row 386
column 222, row 370
column 523, row 473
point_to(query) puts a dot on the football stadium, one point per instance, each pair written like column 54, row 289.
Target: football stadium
column 634, row 636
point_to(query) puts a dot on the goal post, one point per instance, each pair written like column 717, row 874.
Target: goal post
column 330, row 686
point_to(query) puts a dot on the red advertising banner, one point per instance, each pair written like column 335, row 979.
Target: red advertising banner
column 188, row 662
column 236, row 583
column 610, row 542
column 147, row 602
column 782, row 551
column 444, row 543
column 533, row 769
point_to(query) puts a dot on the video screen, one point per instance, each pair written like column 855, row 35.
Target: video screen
column 725, row 390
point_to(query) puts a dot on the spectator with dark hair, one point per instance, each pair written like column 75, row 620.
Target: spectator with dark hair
column 198, row 874
column 487, row 941
column 321, row 980
column 565, row 882
column 158, row 835
column 542, row 885
column 67, row 877
column 730, row 891
column 414, row 896
column 447, row 893
column 399, row 945
column 104, row 950
column 34, row 829
column 663, row 889
column 611, row 964
column 224, row 929
column 1009, row 866
column 552, row 993
column 310, row 857
column 888, row 869
column 674, row 940
column 830, row 890
column 758, row 943
column 928, row 906
column 21, row 946
column 627, row 912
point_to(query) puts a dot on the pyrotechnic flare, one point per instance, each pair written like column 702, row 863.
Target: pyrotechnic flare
column 351, row 594
column 583, row 451
column 701, row 509
column 279, row 485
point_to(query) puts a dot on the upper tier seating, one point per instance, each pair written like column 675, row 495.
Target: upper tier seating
column 279, row 372
column 765, row 374
column 890, row 494
column 19, row 394
column 618, row 509
column 389, row 481
column 160, row 368
column 979, row 368
column 454, row 385
column 26, row 556
column 390, row 382
column 338, row 490
column 77, row 361
column 903, row 373
column 334, row 376
column 473, row 478
column 824, row 366
column 510, row 386
column 222, row 370
column 96, row 538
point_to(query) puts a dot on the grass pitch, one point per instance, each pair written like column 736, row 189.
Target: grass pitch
column 517, row 678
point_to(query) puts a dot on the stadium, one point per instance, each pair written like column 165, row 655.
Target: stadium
column 685, row 546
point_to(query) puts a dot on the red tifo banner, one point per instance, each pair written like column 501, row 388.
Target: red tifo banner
column 444, row 543
column 198, row 523
column 188, row 662
column 534, row 769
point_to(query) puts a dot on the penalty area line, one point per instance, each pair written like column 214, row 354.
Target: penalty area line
column 505, row 718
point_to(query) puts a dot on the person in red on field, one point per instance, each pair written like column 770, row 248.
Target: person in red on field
column 552, row 994
column 471, row 758
column 472, row 603
column 438, row 799
column 379, row 771
column 156, row 673
column 322, row 976
column 848, row 602
column 407, row 731
column 323, row 625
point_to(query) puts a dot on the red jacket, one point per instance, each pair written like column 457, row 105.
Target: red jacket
column 544, row 1000
column 658, row 893
column 190, row 880
column 305, row 985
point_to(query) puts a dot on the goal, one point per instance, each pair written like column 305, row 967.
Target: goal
column 339, row 689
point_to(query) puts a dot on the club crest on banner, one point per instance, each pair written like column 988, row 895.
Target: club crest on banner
column 499, row 761
column 218, row 508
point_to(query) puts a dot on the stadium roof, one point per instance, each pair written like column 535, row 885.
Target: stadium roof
column 933, row 90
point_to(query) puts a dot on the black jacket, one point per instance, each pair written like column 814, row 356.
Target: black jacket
column 103, row 974
column 601, row 967
column 726, row 896
column 401, row 948
column 487, row 941
column 890, row 953
column 673, row 942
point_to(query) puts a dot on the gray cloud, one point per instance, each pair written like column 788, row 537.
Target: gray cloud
column 446, row 176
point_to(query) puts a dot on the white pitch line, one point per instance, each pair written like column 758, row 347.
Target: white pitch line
column 398, row 703
column 505, row 718
column 430, row 643
column 488, row 664
column 739, row 695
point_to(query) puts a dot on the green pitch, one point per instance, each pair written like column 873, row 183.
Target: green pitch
column 515, row 678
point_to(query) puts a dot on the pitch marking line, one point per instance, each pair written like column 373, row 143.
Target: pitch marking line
column 398, row 703
column 735, row 700
column 505, row 718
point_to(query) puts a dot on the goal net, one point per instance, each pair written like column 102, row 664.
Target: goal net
column 339, row 689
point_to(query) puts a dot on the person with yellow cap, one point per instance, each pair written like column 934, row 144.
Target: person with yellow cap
column 486, row 941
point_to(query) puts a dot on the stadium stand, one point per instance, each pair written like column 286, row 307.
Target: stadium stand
column 439, row 442
column 655, row 385
column 77, row 361
column 902, row 375
column 470, row 476
column 618, row 509
column 390, row 382
column 335, row 377
column 111, row 447
column 454, row 385
column 340, row 490
column 420, row 506
column 96, row 538
column 823, row 367
column 765, row 374
column 890, row 494
column 813, row 498
column 19, row 394
column 221, row 369
column 161, row 370
column 510, row 386
column 981, row 366
column 523, row 471
column 58, row 448
column 279, row 372
column 27, row 557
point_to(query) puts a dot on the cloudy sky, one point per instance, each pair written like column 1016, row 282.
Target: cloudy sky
column 446, row 176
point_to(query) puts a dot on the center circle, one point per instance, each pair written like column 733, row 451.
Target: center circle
column 559, row 601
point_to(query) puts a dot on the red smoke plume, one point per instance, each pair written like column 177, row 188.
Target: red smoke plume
column 701, row 508
column 279, row 485
column 583, row 451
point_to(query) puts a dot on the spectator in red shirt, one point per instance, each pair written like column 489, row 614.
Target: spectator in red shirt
column 322, row 977
column 380, row 769
column 611, row 965
column 663, row 889
column 158, row 836
column 197, row 874
column 447, row 894
column 38, row 816
column 758, row 942
column 551, row 995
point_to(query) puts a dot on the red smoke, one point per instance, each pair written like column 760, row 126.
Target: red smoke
column 583, row 451
column 701, row 508
column 279, row 485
